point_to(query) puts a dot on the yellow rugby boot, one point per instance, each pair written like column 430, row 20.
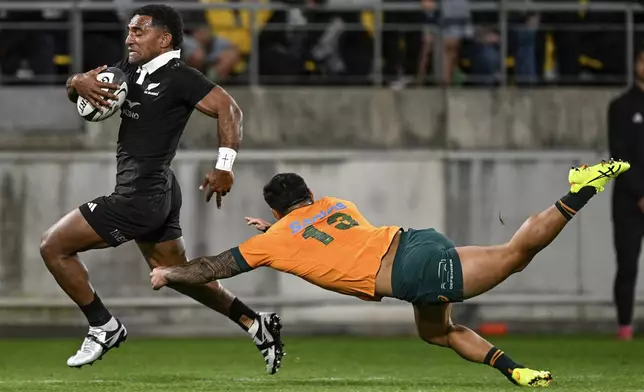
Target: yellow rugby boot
column 531, row 378
column 597, row 175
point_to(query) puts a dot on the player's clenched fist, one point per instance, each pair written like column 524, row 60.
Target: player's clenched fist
column 157, row 277
column 219, row 182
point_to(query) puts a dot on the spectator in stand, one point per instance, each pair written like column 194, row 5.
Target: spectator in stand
column 430, row 14
column 525, row 48
column 283, row 43
column 456, row 25
column 588, row 45
column 402, row 41
column 26, row 55
column 216, row 57
column 522, row 45
column 454, row 19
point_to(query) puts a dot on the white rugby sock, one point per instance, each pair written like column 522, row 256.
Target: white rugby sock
column 111, row 325
column 253, row 328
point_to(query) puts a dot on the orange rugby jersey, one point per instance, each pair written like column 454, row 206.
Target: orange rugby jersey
column 329, row 243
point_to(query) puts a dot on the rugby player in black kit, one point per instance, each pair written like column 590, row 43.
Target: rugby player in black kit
column 145, row 205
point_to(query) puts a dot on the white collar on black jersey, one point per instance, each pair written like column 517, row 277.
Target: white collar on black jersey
column 151, row 66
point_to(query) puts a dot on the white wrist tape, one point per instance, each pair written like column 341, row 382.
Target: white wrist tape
column 225, row 159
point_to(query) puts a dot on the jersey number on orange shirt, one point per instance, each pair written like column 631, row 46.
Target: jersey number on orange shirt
column 345, row 223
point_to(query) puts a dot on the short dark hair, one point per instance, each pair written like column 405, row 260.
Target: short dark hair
column 284, row 191
column 166, row 17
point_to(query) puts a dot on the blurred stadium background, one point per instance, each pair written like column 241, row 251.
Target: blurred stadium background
column 362, row 99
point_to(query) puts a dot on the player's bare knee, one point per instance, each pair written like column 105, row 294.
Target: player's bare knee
column 217, row 286
column 518, row 269
column 48, row 248
column 518, row 257
column 438, row 339
column 522, row 262
column 437, row 336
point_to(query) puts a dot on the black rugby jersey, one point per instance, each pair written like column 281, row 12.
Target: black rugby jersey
column 161, row 97
column 626, row 141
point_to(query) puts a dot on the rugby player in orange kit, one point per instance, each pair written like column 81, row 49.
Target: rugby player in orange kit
column 329, row 243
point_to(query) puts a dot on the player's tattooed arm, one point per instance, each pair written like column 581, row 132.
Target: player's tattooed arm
column 219, row 104
column 203, row 269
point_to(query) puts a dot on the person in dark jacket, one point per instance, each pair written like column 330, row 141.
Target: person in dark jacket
column 626, row 141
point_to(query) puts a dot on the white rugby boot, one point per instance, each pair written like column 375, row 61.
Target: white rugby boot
column 265, row 332
column 96, row 344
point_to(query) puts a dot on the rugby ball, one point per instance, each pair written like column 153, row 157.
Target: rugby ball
column 109, row 75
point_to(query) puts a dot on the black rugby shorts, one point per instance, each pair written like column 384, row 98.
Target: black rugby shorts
column 118, row 219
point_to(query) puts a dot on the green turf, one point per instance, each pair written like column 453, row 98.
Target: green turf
column 317, row 364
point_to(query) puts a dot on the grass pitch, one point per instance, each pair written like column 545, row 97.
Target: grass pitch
column 317, row 364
